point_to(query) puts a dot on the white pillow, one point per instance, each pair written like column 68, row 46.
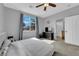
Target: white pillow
column 6, row 43
column 3, row 36
column 5, row 47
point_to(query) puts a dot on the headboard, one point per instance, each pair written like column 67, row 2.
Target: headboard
column 3, row 36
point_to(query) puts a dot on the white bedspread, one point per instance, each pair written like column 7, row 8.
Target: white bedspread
column 30, row 47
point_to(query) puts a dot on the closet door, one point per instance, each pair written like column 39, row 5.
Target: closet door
column 72, row 30
column 68, row 29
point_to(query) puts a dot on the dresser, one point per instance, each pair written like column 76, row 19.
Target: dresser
column 48, row 35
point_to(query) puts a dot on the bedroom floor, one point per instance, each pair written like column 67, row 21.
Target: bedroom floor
column 63, row 49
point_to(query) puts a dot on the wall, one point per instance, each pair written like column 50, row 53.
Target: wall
column 72, row 30
column 1, row 18
column 12, row 20
column 41, row 25
column 61, row 15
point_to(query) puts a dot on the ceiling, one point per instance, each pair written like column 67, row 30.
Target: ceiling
column 31, row 9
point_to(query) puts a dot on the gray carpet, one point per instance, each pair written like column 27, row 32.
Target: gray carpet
column 64, row 49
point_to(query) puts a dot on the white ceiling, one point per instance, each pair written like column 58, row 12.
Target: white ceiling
column 31, row 9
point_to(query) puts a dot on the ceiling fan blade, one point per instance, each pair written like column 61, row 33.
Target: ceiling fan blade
column 39, row 5
column 45, row 8
column 53, row 5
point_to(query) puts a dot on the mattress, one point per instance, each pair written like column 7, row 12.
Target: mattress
column 30, row 47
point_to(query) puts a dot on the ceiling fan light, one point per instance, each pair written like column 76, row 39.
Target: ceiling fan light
column 46, row 4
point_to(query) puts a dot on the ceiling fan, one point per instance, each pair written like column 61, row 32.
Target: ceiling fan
column 46, row 5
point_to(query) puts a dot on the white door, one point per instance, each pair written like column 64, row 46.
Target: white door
column 68, row 29
column 72, row 30
column 59, row 28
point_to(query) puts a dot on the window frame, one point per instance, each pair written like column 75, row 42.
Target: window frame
column 30, row 17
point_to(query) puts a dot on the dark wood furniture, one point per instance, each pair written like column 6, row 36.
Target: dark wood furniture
column 48, row 35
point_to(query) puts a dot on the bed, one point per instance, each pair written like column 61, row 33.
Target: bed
column 28, row 47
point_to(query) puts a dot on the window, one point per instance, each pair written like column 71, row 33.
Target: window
column 29, row 23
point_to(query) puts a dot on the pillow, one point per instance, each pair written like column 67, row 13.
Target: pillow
column 3, row 36
column 1, row 48
column 1, row 43
column 4, row 47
